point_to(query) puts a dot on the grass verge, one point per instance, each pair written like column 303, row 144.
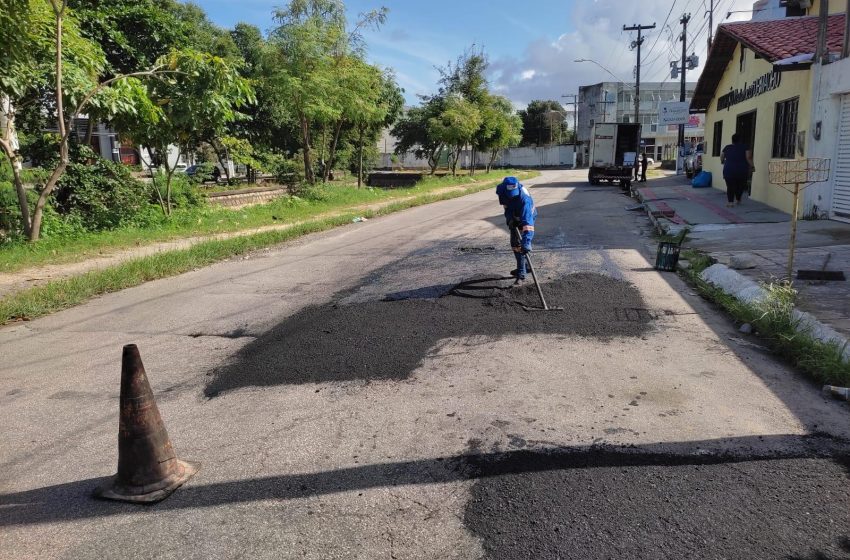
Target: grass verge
column 211, row 220
column 62, row 294
column 773, row 322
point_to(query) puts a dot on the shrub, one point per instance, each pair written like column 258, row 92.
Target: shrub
column 100, row 195
column 184, row 192
column 10, row 214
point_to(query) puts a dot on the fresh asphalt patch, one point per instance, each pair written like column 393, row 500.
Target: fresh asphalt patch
column 380, row 340
column 620, row 504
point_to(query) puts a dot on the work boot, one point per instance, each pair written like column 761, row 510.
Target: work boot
column 520, row 266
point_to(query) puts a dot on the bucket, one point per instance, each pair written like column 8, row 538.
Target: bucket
column 668, row 256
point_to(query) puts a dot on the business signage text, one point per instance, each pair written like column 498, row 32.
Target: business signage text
column 766, row 83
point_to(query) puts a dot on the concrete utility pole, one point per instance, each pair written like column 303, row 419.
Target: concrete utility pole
column 636, row 45
column 682, row 90
column 822, row 54
column 845, row 52
column 605, row 104
column 574, row 104
column 711, row 25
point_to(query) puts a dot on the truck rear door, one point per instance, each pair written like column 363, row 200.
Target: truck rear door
column 604, row 145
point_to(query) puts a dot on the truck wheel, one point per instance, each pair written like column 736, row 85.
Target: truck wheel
column 591, row 178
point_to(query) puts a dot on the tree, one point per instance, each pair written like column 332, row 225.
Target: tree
column 501, row 128
column 456, row 126
column 193, row 105
column 57, row 71
column 311, row 53
column 310, row 35
column 413, row 133
column 542, row 122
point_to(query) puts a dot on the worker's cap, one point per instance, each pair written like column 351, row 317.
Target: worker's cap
column 510, row 186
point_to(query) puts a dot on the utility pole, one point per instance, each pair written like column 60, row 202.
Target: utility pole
column 605, row 104
column 636, row 45
column 574, row 104
column 845, row 52
column 711, row 25
column 682, row 91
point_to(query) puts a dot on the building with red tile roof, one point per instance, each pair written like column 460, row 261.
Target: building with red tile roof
column 761, row 81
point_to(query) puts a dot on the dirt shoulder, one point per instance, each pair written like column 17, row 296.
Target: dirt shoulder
column 13, row 282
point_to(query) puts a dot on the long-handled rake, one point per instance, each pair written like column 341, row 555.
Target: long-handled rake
column 537, row 284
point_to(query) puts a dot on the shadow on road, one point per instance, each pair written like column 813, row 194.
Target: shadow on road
column 779, row 487
column 388, row 339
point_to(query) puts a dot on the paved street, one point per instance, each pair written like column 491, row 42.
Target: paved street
column 375, row 391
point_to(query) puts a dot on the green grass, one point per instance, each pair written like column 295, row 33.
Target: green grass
column 62, row 294
column 211, row 219
column 773, row 322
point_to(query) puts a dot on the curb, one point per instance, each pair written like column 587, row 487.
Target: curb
column 659, row 221
column 745, row 290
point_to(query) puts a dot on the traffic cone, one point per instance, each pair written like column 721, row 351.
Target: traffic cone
column 148, row 471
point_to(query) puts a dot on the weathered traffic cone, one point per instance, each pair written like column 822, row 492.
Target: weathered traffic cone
column 148, row 471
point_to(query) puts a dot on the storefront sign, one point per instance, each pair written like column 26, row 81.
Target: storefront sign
column 766, row 83
column 673, row 112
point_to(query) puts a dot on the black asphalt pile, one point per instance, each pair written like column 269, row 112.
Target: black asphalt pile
column 617, row 505
column 388, row 339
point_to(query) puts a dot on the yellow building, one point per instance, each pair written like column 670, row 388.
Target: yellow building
column 758, row 82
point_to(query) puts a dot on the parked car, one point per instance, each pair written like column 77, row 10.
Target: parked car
column 210, row 173
column 693, row 161
column 650, row 161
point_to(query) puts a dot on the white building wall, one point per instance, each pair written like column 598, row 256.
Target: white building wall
column 829, row 83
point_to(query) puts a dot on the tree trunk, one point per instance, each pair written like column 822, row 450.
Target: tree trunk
column 332, row 154
column 38, row 212
column 455, row 158
column 222, row 159
column 360, row 157
column 305, row 134
column 21, row 192
column 472, row 161
column 493, row 155
column 89, row 132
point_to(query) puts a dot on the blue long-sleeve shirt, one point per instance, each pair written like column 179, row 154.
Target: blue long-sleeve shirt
column 520, row 212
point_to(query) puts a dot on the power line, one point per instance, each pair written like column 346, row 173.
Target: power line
column 663, row 26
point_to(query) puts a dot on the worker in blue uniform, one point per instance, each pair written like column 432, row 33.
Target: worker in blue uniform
column 520, row 214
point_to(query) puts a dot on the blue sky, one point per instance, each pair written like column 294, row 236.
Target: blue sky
column 531, row 44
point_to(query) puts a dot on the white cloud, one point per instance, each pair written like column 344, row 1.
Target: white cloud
column 546, row 69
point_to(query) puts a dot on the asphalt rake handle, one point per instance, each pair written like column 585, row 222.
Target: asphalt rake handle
column 537, row 283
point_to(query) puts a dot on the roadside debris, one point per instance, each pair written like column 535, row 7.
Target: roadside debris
column 842, row 393
column 360, row 219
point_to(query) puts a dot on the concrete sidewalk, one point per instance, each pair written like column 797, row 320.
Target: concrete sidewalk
column 761, row 233
column 673, row 204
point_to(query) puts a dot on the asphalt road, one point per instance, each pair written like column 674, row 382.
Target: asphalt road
column 377, row 391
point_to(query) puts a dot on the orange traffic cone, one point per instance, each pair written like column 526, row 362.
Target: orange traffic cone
column 148, row 471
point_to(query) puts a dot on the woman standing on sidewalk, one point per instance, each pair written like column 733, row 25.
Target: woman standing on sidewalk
column 737, row 160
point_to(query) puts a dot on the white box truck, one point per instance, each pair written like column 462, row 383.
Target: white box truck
column 613, row 152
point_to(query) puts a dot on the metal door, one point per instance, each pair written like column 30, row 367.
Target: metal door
column 841, row 184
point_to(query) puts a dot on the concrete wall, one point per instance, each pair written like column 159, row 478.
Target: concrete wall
column 794, row 84
column 544, row 156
